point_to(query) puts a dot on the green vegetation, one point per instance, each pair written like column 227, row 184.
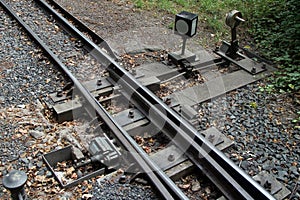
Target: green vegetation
column 274, row 24
column 253, row 105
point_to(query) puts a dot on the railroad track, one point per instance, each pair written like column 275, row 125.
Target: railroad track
column 164, row 116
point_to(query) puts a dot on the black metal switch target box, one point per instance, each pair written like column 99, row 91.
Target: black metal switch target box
column 186, row 24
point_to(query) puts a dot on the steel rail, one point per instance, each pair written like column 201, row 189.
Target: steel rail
column 164, row 184
column 96, row 38
column 229, row 178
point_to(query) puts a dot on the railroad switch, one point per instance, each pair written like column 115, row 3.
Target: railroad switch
column 233, row 19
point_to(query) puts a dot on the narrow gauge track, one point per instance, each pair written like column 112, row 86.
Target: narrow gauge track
column 230, row 179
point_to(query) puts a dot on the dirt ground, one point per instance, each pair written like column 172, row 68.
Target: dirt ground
column 127, row 28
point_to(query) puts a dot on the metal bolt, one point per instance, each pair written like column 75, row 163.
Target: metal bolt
column 131, row 114
column 253, row 70
column 130, row 105
column 268, row 185
column 169, row 62
column 133, row 71
column 264, row 66
column 78, row 44
column 171, row 158
column 51, row 18
column 122, row 179
column 211, row 138
column 59, row 93
column 99, row 82
column 14, row 182
column 79, row 173
column 168, row 101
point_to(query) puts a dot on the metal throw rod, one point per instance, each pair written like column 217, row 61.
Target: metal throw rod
column 165, row 186
column 230, row 179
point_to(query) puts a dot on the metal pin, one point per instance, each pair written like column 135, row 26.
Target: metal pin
column 131, row 114
column 239, row 19
column 133, row 71
column 211, row 138
column 59, row 93
column 171, row 157
column 168, row 101
column 122, row 179
column 99, row 82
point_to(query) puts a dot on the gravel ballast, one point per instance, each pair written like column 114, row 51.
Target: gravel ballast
column 261, row 125
column 25, row 74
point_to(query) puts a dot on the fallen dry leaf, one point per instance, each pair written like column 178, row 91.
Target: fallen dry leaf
column 87, row 196
column 147, row 149
column 23, row 131
column 184, row 186
column 70, row 170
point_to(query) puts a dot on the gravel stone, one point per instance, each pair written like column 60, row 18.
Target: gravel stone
column 264, row 131
column 196, row 186
column 23, row 75
column 112, row 191
column 36, row 134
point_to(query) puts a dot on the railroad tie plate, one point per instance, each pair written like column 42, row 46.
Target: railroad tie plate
column 218, row 139
column 97, row 84
column 92, row 86
column 128, row 116
column 269, row 182
column 64, row 111
column 175, row 163
column 168, row 157
column 135, row 123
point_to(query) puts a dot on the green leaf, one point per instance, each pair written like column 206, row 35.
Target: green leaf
column 292, row 86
